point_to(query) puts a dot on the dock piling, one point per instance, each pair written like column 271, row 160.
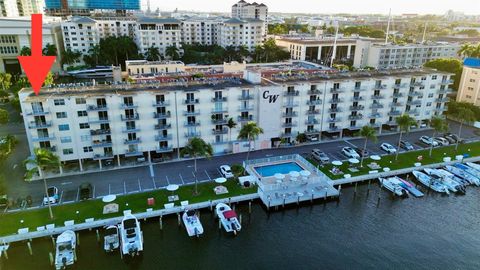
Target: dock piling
column 355, row 189
column 98, row 235
column 160, row 222
column 219, row 224
column 339, row 190
column 178, row 219
column 211, row 206
column 298, row 200
column 250, row 207
column 78, row 239
column 50, row 256
column 240, row 219
column 5, row 253
column 29, row 245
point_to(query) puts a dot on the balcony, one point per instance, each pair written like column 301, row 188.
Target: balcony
column 133, row 153
column 357, row 98
column 314, row 102
column 130, row 117
column 394, row 113
column 219, row 110
column 52, row 148
column 374, row 125
column 161, row 115
column 245, row 108
column 414, row 112
column 380, row 86
column 290, row 124
column 357, row 108
column 415, row 93
column 396, row 104
column 375, row 115
column 397, row 95
column 245, row 97
column 286, row 134
column 191, row 113
column 245, row 118
column 312, row 131
column 38, row 112
column 417, row 84
column 162, row 138
column 192, row 134
column 447, row 82
column 359, row 89
column 219, row 142
column 219, row 99
column 163, row 149
column 377, row 97
column 132, row 141
column 220, row 131
column 314, row 92
column 163, row 126
column 290, row 104
column 334, row 120
column 414, row 102
column 128, row 106
column 191, row 101
column 161, row 103
column 313, row 112
column 98, row 132
column 191, row 124
column 400, row 85
column 43, row 138
column 103, row 156
column 445, row 99
column 103, row 143
column 221, row 121
column 290, row 114
column 102, row 120
column 334, row 110
column 335, row 100
column 376, row 106
column 291, row 93
column 355, row 117
column 333, row 129
column 336, row 90
column 311, row 122
column 130, row 129
column 97, row 108
column 34, row 124
column 445, row 91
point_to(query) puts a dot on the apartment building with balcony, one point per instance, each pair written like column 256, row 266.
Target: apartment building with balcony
column 245, row 10
column 241, row 32
column 158, row 32
column 469, row 88
column 203, row 31
column 154, row 121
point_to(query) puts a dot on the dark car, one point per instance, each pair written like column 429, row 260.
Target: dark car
column 361, row 152
column 85, row 191
column 453, row 137
column 406, row 145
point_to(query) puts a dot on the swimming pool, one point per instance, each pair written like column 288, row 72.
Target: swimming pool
column 284, row 168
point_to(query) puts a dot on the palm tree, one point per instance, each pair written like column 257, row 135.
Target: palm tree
column 172, row 52
column 464, row 115
column 369, row 133
column 42, row 161
column 250, row 132
column 25, row 51
column 243, row 51
column 231, row 124
column 94, row 52
column 69, row 57
column 404, row 123
column 152, row 54
column 50, row 50
column 439, row 125
column 197, row 147
column 230, row 53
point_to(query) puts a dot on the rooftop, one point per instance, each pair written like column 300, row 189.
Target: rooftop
column 472, row 62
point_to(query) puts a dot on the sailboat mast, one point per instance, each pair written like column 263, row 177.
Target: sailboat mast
column 334, row 46
column 388, row 26
column 424, row 33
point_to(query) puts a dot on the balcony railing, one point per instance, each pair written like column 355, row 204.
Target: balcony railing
column 290, row 114
column 336, row 90
column 291, row 93
column 191, row 113
column 414, row 102
column 376, row 97
column 357, row 108
column 334, row 120
column 221, row 121
column 396, row 104
column 103, row 143
column 245, row 108
column 34, row 124
column 191, row 101
column 311, row 122
column 52, row 148
column 415, row 93
column 290, row 104
column 335, row 100
column 445, row 99
column 376, row 106
column 161, row 115
column 97, row 108
column 98, row 132
column 334, row 110
column 128, row 106
column 219, row 110
column 245, row 118
column 192, row 124
column 380, row 86
column 400, row 85
column 289, row 124
column 314, row 92
column 359, row 98
column 38, row 112
column 192, row 134
column 161, row 103
column 43, row 138
column 103, row 156
column 375, row 115
column 359, row 89
column 219, row 99
column 102, row 120
column 312, row 131
column 132, row 141
column 416, row 84
column 131, row 129
column 313, row 112
column 245, row 97
column 133, row 152
column 163, row 126
column 447, row 82
column 397, row 95
column 314, row 102
column 163, row 149
column 355, row 117
column 159, row 138
column 394, row 113
column 220, row 131
column 130, row 117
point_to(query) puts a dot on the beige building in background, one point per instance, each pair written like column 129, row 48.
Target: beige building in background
column 469, row 89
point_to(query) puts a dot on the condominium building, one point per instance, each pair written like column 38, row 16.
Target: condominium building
column 203, row 31
column 469, row 88
column 377, row 55
column 153, row 119
column 244, row 10
column 159, row 33
column 85, row 7
column 146, row 68
column 15, row 8
column 241, row 32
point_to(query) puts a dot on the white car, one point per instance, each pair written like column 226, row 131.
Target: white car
column 52, row 196
column 226, row 171
column 428, row 141
column 441, row 141
column 350, row 153
column 388, row 148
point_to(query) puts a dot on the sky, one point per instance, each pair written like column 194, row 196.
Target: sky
column 471, row 7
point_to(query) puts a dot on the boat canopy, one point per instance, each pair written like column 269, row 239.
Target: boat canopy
column 229, row 214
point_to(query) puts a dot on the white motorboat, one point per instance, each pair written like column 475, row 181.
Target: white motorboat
column 463, row 174
column 470, row 171
column 65, row 250
column 429, row 182
column 131, row 238
column 111, row 241
column 228, row 218
column 474, row 166
column 455, row 178
column 393, row 186
column 442, row 178
column 192, row 223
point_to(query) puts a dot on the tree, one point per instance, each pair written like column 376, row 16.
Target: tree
column 197, row 147
column 42, row 161
column 369, row 133
column 464, row 115
column 469, row 50
column 3, row 117
column 48, row 79
column 448, row 65
column 69, row 57
column 404, row 123
column 152, row 54
column 439, row 125
column 25, row 51
column 94, row 52
column 230, row 53
column 231, row 124
column 172, row 52
column 50, row 50
column 5, row 81
column 250, row 132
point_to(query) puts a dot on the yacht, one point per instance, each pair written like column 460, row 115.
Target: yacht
column 65, row 250
column 463, row 174
column 440, row 177
column 93, row 73
column 111, row 241
column 393, row 186
column 474, row 166
column 470, row 171
column 408, row 186
column 228, row 218
column 131, row 238
column 429, row 182
column 192, row 223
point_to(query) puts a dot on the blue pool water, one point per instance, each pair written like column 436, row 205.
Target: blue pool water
column 284, row 168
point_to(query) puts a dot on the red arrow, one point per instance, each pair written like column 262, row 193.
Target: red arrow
column 36, row 66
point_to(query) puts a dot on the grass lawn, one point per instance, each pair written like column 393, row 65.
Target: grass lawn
column 405, row 160
column 10, row 222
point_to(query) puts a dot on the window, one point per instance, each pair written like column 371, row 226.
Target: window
column 87, row 149
column 61, row 115
column 67, row 139
column 63, row 127
column 85, row 138
column 429, row 104
column 80, row 101
column 68, row 151
column 59, row 102
column 430, row 95
column 84, row 125
column 82, row 113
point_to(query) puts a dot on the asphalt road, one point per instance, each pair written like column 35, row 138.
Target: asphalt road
column 132, row 180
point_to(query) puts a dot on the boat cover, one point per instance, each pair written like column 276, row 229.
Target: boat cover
column 229, row 214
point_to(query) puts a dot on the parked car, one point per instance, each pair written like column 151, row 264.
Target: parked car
column 52, row 196
column 361, row 152
column 312, row 138
column 350, row 153
column 388, row 148
column 320, row 156
column 85, row 191
column 454, row 137
column 428, row 141
column 450, row 139
column 406, row 145
column 226, row 171
column 441, row 141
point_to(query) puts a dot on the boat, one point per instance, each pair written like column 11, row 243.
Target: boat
column 470, row 171
column 192, row 223
column 111, row 241
column 228, row 218
column 455, row 178
column 65, row 250
column 93, row 73
column 393, row 186
column 409, row 187
column 463, row 174
column 430, row 183
column 131, row 238
column 474, row 165
column 445, row 180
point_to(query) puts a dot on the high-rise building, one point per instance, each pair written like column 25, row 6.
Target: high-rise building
column 15, row 8
column 469, row 88
column 241, row 32
column 64, row 8
column 244, row 10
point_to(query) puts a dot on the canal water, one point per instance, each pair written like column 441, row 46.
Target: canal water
column 434, row 232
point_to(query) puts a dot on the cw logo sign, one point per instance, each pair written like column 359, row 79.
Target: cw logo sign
column 271, row 98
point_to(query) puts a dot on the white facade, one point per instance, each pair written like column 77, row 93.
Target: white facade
column 236, row 32
column 9, row 8
column 159, row 33
column 15, row 8
column 202, row 31
column 244, row 10
column 469, row 88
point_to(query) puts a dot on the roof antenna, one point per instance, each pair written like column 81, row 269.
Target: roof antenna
column 334, row 45
column 424, row 33
column 388, row 26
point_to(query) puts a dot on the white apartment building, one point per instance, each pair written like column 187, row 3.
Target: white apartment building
column 145, row 68
column 159, row 33
column 15, row 8
column 241, row 32
column 154, row 121
column 374, row 54
column 202, row 31
column 244, row 10
column 469, row 88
